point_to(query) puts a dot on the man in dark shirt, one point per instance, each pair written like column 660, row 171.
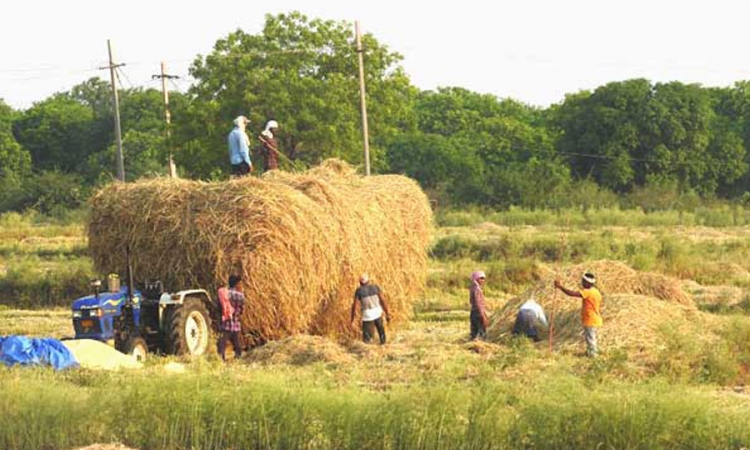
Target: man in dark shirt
column 373, row 306
column 231, row 325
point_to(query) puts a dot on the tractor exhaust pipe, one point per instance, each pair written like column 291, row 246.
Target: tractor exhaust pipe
column 129, row 275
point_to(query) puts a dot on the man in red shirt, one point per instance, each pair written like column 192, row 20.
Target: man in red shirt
column 591, row 304
column 232, row 302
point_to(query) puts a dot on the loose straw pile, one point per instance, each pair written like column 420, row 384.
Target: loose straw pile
column 636, row 305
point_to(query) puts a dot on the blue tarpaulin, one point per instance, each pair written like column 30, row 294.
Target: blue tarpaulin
column 27, row 351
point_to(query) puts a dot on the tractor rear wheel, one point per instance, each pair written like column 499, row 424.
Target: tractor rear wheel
column 188, row 328
column 137, row 347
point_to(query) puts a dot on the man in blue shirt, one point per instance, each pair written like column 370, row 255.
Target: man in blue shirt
column 239, row 148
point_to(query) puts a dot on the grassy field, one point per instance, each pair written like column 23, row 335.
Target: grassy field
column 429, row 387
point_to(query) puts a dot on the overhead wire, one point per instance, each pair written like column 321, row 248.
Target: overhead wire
column 118, row 71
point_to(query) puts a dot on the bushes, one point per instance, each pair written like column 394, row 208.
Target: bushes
column 29, row 285
column 49, row 192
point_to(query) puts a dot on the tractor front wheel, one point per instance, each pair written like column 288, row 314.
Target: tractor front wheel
column 137, row 347
column 188, row 328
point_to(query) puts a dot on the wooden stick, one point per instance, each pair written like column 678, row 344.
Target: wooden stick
column 563, row 242
column 265, row 142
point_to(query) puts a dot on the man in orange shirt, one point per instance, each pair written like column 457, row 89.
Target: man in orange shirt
column 591, row 303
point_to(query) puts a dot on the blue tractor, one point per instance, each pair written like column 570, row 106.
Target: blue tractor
column 137, row 322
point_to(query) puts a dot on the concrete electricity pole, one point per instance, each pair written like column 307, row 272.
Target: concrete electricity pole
column 118, row 132
column 167, row 117
column 363, row 97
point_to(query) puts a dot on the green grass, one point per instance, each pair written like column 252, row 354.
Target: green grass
column 718, row 216
column 516, row 253
column 55, row 323
column 43, row 263
column 215, row 408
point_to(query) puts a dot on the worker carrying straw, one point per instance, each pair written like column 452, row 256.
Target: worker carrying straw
column 530, row 316
column 478, row 319
column 373, row 306
column 239, row 148
column 270, row 146
column 591, row 303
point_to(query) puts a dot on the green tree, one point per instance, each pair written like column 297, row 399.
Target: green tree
column 626, row 133
column 732, row 135
column 440, row 164
column 503, row 150
column 303, row 73
column 60, row 133
column 601, row 132
column 144, row 144
column 14, row 160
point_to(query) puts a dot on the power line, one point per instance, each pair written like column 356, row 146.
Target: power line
column 174, row 85
column 45, row 70
column 120, row 71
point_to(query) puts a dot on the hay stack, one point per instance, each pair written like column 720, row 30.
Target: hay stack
column 299, row 240
column 634, row 305
column 635, row 323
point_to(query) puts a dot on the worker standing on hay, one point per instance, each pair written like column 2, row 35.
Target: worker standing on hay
column 530, row 316
column 373, row 306
column 239, row 148
column 478, row 318
column 232, row 303
column 270, row 146
column 591, row 303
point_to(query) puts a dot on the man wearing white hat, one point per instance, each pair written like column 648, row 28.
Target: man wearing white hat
column 239, row 148
column 373, row 307
column 591, row 304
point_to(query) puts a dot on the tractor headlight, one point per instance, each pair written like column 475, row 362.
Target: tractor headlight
column 96, row 312
column 77, row 314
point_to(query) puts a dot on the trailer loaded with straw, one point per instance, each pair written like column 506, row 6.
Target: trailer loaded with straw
column 298, row 240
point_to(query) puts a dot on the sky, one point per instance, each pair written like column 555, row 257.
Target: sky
column 534, row 51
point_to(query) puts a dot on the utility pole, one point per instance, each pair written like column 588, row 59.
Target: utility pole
column 167, row 116
column 363, row 96
column 118, row 131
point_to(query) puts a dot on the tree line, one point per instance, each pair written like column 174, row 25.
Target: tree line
column 623, row 139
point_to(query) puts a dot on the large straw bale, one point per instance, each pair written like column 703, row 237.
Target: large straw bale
column 299, row 240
